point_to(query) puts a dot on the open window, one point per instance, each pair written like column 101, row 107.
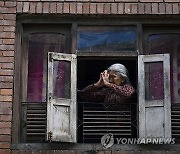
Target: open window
column 49, row 108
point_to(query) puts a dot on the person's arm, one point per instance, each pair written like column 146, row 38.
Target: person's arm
column 91, row 93
column 125, row 90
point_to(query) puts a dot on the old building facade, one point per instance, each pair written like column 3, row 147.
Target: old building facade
column 30, row 28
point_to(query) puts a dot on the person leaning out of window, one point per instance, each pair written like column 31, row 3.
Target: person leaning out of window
column 112, row 89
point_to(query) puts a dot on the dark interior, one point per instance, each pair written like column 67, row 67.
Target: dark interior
column 88, row 73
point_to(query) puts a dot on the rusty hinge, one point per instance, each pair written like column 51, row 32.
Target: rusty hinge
column 50, row 57
column 50, row 136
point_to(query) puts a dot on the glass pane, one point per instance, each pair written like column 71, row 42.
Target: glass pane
column 154, row 81
column 61, row 79
column 107, row 38
column 168, row 43
column 162, row 43
column 39, row 45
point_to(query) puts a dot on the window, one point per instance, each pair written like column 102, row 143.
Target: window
column 52, row 72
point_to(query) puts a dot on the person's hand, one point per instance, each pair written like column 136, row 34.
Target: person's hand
column 100, row 82
column 105, row 77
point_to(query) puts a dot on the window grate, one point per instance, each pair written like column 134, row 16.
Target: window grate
column 95, row 121
column 175, row 122
column 33, row 122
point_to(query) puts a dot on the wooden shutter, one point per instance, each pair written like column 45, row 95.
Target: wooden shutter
column 61, row 104
column 154, row 96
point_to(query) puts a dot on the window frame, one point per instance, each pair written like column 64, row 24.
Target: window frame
column 18, row 50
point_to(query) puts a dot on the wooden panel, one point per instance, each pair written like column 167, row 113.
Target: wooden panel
column 155, row 122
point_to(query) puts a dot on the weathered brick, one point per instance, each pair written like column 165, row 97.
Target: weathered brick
column 6, row 85
column 39, row 8
column 38, row 151
column 1, row 16
column 5, row 99
column 161, row 8
column 3, row 10
column 134, row 8
column 126, row 0
column 32, row 7
column 10, row 4
column 1, row 3
column 120, row 8
column 6, row 72
column 4, row 131
column 154, row 8
column 175, row 8
column 127, row 8
column 15, row 151
column 86, row 8
column 19, row 7
column 101, row 1
column 93, row 8
column 1, row 42
column 73, row 8
column 114, row 8
column 148, row 8
column 171, row 0
column 66, row 8
column 141, row 8
column 151, row 1
column 5, row 125
column 8, row 53
column 6, row 92
column 26, row 7
column 8, row 41
column 6, row 47
column 59, row 7
column 5, row 138
column 168, row 8
column 7, row 65
column 9, row 29
column 107, row 8
column 79, row 8
column 1, row 28
column 6, row 78
column 7, row 22
column 4, row 145
column 5, row 117
column 53, row 8
column 100, row 8
column 11, row 10
column 9, row 16
column 46, row 7
column 6, row 104
column 7, row 151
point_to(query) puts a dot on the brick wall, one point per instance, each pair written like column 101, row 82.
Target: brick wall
column 8, row 11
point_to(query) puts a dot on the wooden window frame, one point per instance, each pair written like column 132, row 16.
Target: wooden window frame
column 18, row 50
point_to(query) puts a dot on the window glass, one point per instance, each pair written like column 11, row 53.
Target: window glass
column 61, row 79
column 107, row 38
column 168, row 43
column 154, row 81
column 39, row 45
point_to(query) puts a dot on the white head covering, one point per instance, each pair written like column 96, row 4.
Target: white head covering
column 120, row 69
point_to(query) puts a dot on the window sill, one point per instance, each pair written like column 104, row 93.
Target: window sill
column 89, row 147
